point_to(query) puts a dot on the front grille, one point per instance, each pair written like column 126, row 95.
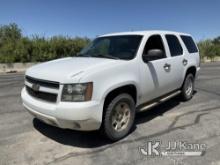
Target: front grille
column 50, row 97
column 44, row 83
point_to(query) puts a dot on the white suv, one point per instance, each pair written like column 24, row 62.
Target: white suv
column 111, row 79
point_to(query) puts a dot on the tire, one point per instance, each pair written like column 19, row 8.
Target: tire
column 112, row 127
column 188, row 87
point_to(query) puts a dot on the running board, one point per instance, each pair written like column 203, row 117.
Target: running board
column 158, row 101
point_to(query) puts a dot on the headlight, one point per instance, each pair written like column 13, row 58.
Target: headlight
column 77, row 92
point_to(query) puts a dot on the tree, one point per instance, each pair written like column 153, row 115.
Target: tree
column 216, row 41
column 9, row 36
column 14, row 47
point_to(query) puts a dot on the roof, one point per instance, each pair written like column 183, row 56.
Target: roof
column 146, row 32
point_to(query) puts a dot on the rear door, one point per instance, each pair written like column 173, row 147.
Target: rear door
column 176, row 60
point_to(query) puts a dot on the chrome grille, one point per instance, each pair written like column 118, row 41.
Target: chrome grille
column 42, row 89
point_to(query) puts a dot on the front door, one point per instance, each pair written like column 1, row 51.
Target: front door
column 156, row 72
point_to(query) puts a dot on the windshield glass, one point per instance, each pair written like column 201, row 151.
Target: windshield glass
column 115, row 47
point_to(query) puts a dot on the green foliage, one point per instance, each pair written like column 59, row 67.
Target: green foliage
column 14, row 47
column 210, row 48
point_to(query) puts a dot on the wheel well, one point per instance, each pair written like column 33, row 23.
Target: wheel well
column 129, row 89
column 192, row 70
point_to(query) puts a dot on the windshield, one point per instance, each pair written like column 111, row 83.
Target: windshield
column 115, row 47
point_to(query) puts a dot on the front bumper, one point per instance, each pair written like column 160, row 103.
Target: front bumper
column 77, row 116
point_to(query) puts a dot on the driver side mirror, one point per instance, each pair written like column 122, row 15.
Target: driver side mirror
column 153, row 54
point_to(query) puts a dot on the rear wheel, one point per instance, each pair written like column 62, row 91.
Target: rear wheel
column 188, row 87
column 119, row 117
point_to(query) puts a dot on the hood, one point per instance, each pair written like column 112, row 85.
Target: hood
column 66, row 69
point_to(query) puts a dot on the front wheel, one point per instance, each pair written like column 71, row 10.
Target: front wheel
column 119, row 117
column 188, row 87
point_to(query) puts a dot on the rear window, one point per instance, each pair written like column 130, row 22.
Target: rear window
column 190, row 44
column 174, row 45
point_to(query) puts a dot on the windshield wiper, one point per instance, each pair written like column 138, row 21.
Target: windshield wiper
column 82, row 55
column 106, row 56
column 97, row 55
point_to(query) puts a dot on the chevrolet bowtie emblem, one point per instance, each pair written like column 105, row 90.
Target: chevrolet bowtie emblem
column 36, row 87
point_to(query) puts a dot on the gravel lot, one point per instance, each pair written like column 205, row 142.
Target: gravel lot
column 24, row 140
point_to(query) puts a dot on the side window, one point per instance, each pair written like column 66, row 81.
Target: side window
column 154, row 48
column 190, row 44
column 174, row 45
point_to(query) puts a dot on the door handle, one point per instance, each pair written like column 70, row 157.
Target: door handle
column 185, row 62
column 167, row 67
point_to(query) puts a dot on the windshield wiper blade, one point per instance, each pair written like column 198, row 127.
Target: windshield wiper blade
column 106, row 56
column 82, row 55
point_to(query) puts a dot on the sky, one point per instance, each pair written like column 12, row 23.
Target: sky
column 90, row 18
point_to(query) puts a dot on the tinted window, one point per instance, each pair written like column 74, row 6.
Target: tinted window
column 119, row 47
column 190, row 44
column 174, row 45
column 154, row 42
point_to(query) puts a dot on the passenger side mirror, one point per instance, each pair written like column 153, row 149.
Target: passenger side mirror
column 153, row 54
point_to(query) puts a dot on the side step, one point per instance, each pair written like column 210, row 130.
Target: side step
column 158, row 101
